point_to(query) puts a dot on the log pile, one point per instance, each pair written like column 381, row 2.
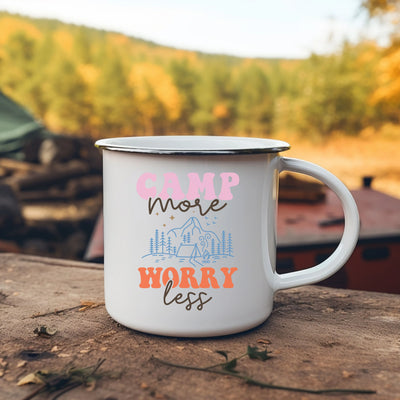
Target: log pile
column 50, row 200
column 301, row 189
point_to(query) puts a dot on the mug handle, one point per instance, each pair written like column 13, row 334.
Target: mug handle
column 350, row 234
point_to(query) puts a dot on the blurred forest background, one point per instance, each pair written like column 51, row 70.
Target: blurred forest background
column 340, row 110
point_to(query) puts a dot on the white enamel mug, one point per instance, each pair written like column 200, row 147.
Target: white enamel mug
column 190, row 232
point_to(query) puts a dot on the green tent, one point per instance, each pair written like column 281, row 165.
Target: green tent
column 17, row 127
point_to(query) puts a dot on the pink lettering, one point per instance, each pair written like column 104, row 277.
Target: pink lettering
column 229, row 179
column 172, row 190
column 141, row 187
column 171, row 182
column 195, row 185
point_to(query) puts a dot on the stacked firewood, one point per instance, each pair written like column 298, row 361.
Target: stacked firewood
column 50, row 200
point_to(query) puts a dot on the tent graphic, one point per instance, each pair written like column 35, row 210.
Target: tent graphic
column 188, row 251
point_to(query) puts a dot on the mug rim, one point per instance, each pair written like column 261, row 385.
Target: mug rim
column 192, row 145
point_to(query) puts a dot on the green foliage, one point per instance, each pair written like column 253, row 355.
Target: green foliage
column 256, row 354
column 82, row 80
column 336, row 92
column 255, row 103
column 113, row 105
column 66, row 97
column 184, row 78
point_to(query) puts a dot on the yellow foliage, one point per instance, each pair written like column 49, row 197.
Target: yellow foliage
column 220, row 111
column 118, row 39
column 11, row 25
column 190, row 56
column 89, row 73
column 150, row 80
column 64, row 39
column 368, row 55
column 379, row 6
column 388, row 78
column 53, row 122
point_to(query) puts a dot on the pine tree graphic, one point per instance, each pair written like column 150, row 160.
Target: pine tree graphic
column 230, row 246
column 169, row 245
column 212, row 247
column 223, row 242
column 151, row 246
column 156, row 242
column 162, row 242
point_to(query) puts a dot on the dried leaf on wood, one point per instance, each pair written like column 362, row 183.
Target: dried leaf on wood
column 33, row 377
column 89, row 304
column 44, row 331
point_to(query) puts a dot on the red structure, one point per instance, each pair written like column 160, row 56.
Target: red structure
column 309, row 233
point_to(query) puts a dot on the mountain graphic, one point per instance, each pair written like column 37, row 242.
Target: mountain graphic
column 192, row 238
column 190, row 243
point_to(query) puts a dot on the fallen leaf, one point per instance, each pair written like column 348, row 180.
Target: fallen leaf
column 44, row 331
column 3, row 367
column 91, row 385
column 347, row 374
column 89, row 304
column 263, row 341
column 21, row 364
column 144, row 385
column 223, row 353
column 230, row 366
column 33, row 377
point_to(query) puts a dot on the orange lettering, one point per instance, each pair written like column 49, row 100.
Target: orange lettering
column 146, row 276
column 207, row 277
column 228, row 277
column 166, row 278
column 187, row 275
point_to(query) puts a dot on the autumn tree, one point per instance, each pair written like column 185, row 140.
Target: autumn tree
column 254, row 104
column 114, row 107
column 17, row 63
column 336, row 92
column 184, row 77
column 381, row 7
column 215, row 99
column 386, row 97
column 68, row 109
column 157, row 98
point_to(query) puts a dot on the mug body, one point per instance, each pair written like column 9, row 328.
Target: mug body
column 189, row 240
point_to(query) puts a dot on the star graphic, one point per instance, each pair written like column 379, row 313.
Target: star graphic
column 171, row 217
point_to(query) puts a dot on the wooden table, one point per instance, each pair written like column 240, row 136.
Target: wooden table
column 320, row 338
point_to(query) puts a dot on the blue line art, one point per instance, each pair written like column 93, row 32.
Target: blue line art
column 191, row 243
